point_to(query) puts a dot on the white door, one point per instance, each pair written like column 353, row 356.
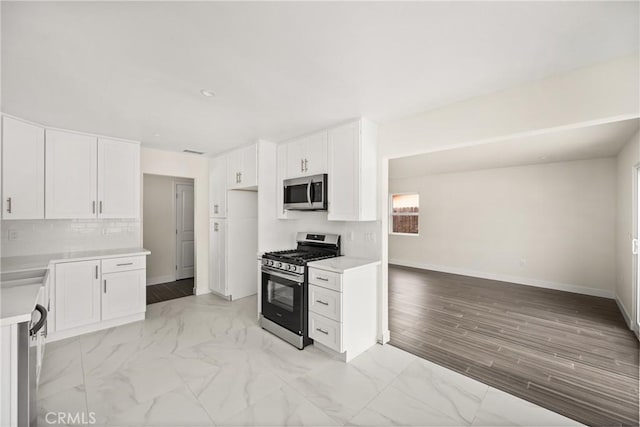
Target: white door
column 218, row 187
column 71, row 175
column 118, row 179
column 217, row 255
column 123, row 293
column 234, row 168
column 343, row 173
column 295, row 158
column 316, row 154
column 185, row 231
column 249, row 170
column 22, row 170
column 77, row 288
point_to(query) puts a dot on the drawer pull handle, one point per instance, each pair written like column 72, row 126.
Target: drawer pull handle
column 124, row 263
column 319, row 301
column 324, row 279
column 322, row 331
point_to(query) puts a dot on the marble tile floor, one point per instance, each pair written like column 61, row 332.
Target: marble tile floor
column 204, row 361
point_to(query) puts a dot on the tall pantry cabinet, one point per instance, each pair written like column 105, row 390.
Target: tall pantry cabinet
column 233, row 223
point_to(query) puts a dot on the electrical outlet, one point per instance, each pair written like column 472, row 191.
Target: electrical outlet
column 352, row 236
column 13, row 234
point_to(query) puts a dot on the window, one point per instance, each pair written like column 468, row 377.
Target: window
column 405, row 211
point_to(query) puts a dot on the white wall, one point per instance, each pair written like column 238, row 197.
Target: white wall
column 601, row 92
column 58, row 235
column 167, row 163
column 549, row 225
column 158, row 216
column 628, row 158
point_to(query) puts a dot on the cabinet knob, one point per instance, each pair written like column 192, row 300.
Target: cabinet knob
column 301, row 165
column 305, row 165
column 8, row 204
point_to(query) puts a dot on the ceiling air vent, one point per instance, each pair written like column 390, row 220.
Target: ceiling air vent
column 193, row 152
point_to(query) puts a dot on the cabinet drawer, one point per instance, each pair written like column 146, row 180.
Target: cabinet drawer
column 325, row 279
column 325, row 331
column 325, row 302
column 113, row 265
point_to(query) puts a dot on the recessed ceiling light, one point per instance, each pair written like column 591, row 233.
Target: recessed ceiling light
column 156, row 134
column 207, row 93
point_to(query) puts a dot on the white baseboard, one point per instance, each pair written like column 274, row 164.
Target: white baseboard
column 202, row 290
column 506, row 278
column 105, row 324
column 160, row 279
column 625, row 313
column 384, row 337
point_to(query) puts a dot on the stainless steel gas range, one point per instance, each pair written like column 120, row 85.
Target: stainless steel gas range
column 285, row 286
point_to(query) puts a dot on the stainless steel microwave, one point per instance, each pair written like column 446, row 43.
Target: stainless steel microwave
column 306, row 193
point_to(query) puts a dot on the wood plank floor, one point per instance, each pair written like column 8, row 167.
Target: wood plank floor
column 170, row 290
column 570, row 353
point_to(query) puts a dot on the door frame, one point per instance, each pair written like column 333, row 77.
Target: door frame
column 174, row 198
column 635, row 229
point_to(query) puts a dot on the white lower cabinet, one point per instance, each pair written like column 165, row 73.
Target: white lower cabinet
column 77, row 294
column 123, row 294
column 342, row 309
column 95, row 294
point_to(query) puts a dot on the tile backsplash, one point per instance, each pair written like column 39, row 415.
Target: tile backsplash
column 53, row 236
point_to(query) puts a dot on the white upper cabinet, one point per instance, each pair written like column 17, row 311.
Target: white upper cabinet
column 71, row 175
column 242, row 168
column 22, row 170
column 307, row 155
column 352, row 168
column 118, row 179
column 218, row 187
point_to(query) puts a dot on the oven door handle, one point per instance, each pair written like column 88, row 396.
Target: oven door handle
column 297, row 279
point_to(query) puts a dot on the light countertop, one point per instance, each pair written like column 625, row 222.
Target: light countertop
column 19, row 293
column 342, row 263
column 37, row 262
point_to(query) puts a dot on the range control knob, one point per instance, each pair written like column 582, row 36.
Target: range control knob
column 278, row 265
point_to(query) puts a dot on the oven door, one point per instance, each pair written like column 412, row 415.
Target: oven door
column 309, row 193
column 283, row 299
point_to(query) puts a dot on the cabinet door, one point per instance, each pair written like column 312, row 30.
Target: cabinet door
column 234, row 167
column 343, row 170
column 218, row 187
column 316, row 154
column 22, row 170
column 71, row 175
column 249, row 170
column 295, row 158
column 281, row 173
column 118, row 179
column 217, row 257
column 123, row 294
column 77, row 300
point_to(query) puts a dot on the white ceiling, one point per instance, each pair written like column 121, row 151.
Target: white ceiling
column 591, row 142
column 134, row 70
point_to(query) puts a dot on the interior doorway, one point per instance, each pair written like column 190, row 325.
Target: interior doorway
column 184, row 230
column 168, row 231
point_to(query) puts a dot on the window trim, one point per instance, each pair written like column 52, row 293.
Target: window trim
column 391, row 214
